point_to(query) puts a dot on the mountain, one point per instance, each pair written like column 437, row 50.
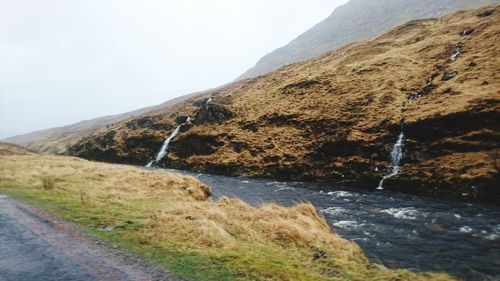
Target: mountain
column 58, row 140
column 356, row 21
column 337, row 117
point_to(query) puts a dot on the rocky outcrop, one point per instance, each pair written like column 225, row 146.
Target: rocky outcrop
column 193, row 144
column 212, row 113
column 132, row 142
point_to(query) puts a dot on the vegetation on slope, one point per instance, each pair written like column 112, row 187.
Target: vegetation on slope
column 336, row 117
column 12, row 149
column 356, row 21
column 58, row 140
column 170, row 219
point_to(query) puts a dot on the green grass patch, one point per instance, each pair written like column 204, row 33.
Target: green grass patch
column 185, row 263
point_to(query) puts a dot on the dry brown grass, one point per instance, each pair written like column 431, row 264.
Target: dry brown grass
column 173, row 212
column 12, row 149
column 78, row 175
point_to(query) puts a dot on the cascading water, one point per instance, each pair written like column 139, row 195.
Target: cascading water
column 456, row 53
column 396, row 158
column 397, row 151
column 164, row 148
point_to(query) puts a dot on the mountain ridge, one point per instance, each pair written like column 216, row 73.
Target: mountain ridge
column 57, row 140
column 355, row 21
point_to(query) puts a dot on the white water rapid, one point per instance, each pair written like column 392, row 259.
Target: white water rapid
column 396, row 158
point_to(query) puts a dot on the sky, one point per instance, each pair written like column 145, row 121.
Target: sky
column 63, row 61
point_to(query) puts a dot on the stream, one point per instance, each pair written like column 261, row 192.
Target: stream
column 397, row 230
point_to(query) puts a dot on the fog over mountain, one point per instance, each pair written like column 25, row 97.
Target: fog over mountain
column 356, row 21
column 66, row 61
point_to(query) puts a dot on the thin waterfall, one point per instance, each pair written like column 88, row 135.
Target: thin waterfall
column 164, row 148
column 456, row 53
column 396, row 158
column 397, row 151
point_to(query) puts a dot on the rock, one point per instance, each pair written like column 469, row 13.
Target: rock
column 105, row 228
column 306, row 84
column 150, row 142
column 200, row 102
column 449, row 76
column 466, row 32
column 185, row 127
column 107, row 139
column 212, row 113
column 486, row 13
column 140, row 123
column 380, row 266
column 280, row 119
column 194, row 144
column 181, row 119
column 319, row 255
column 252, row 127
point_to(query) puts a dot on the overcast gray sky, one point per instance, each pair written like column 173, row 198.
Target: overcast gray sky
column 63, row 61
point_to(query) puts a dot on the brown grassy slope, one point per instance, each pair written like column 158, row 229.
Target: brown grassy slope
column 58, row 140
column 356, row 21
column 337, row 116
column 12, row 149
column 170, row 219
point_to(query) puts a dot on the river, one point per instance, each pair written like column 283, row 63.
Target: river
column 397, row 230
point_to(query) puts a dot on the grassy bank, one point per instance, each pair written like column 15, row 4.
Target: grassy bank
column 171, row 220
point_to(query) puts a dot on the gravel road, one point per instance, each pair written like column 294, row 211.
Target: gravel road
column 37, row 246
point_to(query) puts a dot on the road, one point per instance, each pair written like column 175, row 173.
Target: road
column 37, row 246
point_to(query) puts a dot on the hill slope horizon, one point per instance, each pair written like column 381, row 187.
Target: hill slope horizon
column 356, row 21
column 57, row 140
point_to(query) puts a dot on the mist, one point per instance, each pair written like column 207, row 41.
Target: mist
column 66, row 61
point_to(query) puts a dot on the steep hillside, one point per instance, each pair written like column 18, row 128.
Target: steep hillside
column 336, row 117
column 58, row 140
column 356, row 21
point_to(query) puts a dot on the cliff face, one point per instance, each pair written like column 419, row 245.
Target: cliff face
column 356, row 21
column 336, row 117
